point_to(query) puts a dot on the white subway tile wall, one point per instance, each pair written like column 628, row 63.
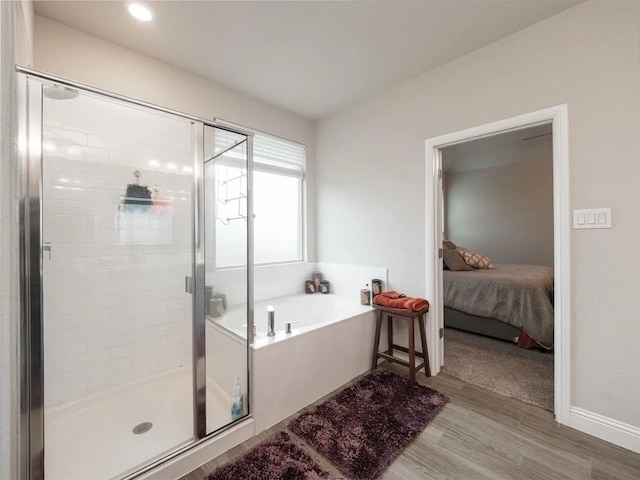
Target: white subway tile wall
column 115, row 307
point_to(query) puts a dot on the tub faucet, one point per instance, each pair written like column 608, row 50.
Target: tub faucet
column 287, row 328
column 271, row 321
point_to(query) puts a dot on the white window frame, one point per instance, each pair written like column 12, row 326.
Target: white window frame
column 295, row 170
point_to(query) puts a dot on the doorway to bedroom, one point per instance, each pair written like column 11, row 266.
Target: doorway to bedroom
column 506, row 224
column 497, row 212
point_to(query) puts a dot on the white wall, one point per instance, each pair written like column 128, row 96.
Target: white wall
column 370, row 174
column 503, row 212
column 24, row 26
column 69, row 53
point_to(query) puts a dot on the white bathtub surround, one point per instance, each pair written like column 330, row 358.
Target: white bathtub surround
column 330, row 345
column 270, row 281
column 275, row 281
column 350, row 279
column 306, row 312
column 291, row 374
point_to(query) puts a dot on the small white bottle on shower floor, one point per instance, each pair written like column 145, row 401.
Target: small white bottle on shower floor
column 236, row 401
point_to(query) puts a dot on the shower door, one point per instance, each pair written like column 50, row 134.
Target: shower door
column 126, row 356
column 228, row 260
column 117, row 199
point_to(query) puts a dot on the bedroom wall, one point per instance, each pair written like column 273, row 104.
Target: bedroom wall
column 503, row 212
column 73, row 54
column 370, row 174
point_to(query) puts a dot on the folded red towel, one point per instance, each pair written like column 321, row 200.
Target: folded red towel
column 417, row 304
column 406, row 303
column 393, row 294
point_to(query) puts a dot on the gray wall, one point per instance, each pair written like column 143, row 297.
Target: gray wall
column 587, row 57
column 503, row 212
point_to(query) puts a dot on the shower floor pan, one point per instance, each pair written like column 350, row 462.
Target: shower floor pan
column 94, row 437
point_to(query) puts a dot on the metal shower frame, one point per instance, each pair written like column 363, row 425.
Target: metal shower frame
column 31, row 347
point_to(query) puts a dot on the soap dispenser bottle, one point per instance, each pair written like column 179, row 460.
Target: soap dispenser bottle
column 365, row 296
column 236, row 401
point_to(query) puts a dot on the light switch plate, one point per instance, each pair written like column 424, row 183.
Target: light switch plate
column 592, row 218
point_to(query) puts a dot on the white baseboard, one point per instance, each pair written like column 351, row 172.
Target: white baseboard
column 613, row 431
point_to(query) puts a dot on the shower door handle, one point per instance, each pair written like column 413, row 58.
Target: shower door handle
column 188, row 284
column 46, row 247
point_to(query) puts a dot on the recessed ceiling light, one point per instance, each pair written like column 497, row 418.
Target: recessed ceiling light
column 141, row 11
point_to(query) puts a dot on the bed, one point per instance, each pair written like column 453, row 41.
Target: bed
column 501, row 302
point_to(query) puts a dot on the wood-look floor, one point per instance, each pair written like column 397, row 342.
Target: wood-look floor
column 483, row 435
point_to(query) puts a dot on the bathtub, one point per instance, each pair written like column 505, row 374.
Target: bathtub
column 331, row 345
column 310, row 311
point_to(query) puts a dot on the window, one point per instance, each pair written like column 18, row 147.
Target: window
column 278, row 176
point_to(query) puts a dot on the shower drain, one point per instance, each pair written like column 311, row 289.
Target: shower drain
column 143, row 427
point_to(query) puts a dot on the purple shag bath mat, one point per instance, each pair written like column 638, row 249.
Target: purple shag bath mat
column 276, row 458
column 364, row 428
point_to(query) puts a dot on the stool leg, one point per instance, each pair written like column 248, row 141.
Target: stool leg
column 425, row 351
column 389, row 335
column 412, row 352
column 376, row 340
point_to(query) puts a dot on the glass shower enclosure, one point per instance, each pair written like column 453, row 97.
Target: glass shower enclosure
column 127, row 352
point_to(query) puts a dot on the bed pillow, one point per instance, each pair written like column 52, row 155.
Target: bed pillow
column 475, row 260
column 454, row 261
column 448, row 245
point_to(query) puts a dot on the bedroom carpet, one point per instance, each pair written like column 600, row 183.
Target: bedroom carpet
column 500, row 366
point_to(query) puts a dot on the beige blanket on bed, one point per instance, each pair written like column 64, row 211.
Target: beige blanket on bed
column 519, row 295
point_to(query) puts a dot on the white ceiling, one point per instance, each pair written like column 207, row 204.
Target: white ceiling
column 311, row 57
column 524, row 145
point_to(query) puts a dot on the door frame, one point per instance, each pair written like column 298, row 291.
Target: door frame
column 557, row 116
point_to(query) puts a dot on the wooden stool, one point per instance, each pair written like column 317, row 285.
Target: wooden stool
column 388, row 355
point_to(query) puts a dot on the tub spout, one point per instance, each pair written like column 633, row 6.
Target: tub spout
column 271, row 321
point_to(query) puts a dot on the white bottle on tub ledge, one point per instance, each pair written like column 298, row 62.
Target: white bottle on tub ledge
column 365, row 296
column 236, row 401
